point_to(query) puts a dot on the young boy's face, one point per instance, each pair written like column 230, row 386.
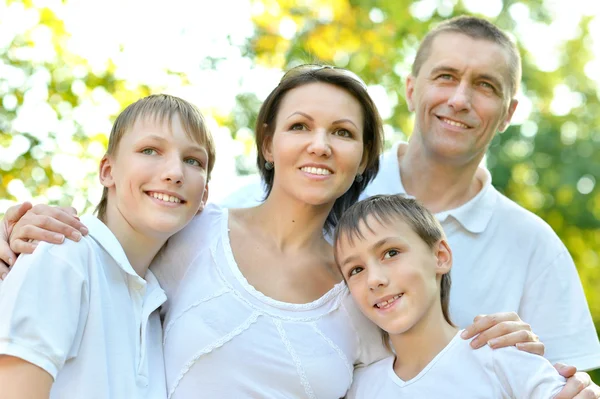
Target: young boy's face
column 393, row 274
column 157, row 178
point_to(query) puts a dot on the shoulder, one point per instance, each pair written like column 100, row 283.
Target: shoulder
column 522, row 223
column 200, row 229
column 371, row 380
column 251, row 194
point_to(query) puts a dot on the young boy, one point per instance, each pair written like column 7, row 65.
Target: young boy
column 395, row 259
column 96, row 333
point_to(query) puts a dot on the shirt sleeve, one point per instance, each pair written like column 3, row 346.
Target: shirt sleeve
column 525, row 375
column 369, row 337
column 43, row 307
column 555, row 306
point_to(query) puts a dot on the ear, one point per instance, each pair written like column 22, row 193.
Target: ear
column 267, row 147
column 444, row 257
column 511, row 110
column 106, row 177
column 204, row 199
column 410, row 90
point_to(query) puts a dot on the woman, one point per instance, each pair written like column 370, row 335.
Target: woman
column 257, row 307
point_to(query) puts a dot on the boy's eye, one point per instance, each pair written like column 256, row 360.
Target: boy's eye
column 390, row 253
column 193, row 162
column 148, row 151
column 355, row 270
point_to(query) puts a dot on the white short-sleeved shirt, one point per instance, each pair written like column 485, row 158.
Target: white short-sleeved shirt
column 459, row 372
column 505, row 259
column 224, row 339
column 80, row 312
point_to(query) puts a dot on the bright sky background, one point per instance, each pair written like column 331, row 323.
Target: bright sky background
column 178, row 35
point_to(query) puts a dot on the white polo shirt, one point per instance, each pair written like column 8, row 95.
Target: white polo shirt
column 459, row 372
column 508, row 259
column 80, row 312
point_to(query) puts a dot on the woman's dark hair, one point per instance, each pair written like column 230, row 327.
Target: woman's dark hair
column 372, row 127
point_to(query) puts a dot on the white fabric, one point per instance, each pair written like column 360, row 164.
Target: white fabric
column 224, row 339
column 459, row 372
column 80, row 312
column 508, row 259
column 505, row 259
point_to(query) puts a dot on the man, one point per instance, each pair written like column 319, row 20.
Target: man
column 462, row 89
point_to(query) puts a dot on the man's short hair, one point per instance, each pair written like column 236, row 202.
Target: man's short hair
column 475, row 28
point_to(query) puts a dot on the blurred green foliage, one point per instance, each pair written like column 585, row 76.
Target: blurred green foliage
column 549, row 164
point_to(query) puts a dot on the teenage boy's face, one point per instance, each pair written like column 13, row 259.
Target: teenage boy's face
column 157, row 178
column 393, row 274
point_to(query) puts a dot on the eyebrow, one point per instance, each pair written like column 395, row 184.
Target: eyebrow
column 373, row 247
column 194, row 147
column 336, row 122
column 484, row 76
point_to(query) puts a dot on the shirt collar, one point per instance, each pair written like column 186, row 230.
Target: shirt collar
column 107, row 240
column 473, row 215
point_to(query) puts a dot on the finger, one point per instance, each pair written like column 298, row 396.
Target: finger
column 485, row 322
column 16, row 212
column 68, row 223
column 565, row 370
column 574, row 388
column 23, row 246
column 3, row 270
column 70, row 211
column 502, row 329
column 536, row 348
column 505, row 334
column 7, row 256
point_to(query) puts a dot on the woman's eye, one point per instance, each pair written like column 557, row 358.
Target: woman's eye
column 390, row 253
column 298, row 126
column 193, row 162
column 356, row 270
column 148, row 151
column 343, row 133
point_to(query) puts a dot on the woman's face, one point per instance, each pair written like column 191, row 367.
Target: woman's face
column 317, row 145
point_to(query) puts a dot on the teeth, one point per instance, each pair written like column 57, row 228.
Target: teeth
column 165, row 197
column 454, row 123
column 384, row 304
column 315, row 171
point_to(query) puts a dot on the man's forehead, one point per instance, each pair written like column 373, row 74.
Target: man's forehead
column 469, row 51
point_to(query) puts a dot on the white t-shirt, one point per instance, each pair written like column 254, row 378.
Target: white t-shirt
column 459, row 372
column 505, row 259
column 225, row 339
column 80, row 312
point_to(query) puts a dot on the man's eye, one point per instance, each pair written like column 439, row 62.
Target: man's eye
column 390, row 253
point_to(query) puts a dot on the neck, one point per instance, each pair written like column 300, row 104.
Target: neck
column 439, row 185
column 292, row 224
column 418, row 346
column 139, row 248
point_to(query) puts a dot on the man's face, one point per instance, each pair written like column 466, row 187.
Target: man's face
column 461, row 97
